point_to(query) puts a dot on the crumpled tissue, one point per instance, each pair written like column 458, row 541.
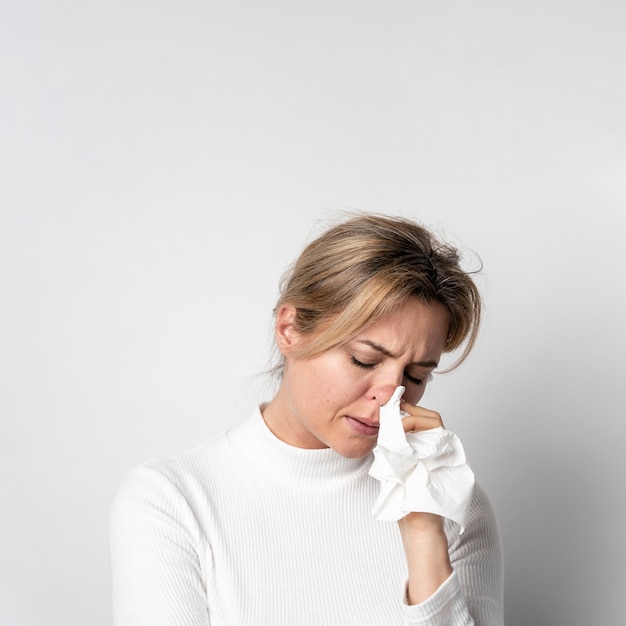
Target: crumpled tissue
column 420, row 471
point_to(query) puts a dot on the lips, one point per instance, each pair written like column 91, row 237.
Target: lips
column 362, row 426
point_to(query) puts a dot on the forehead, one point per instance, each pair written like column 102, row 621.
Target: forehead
column 415, row 328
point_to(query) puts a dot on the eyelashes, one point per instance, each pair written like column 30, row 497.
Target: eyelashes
column 370, row 366
column 417, row 381
column 365, row 366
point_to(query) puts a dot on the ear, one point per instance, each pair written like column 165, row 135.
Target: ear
column 287, row 337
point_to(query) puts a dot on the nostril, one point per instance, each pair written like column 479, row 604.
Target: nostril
column 382, row 394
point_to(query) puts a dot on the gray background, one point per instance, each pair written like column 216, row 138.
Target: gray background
column 162, row 162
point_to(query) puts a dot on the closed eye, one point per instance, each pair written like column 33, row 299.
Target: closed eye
column 369, row 366
column 365, row 366
column 417, row 381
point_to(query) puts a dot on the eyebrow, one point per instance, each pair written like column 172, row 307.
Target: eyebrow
column 383, row 350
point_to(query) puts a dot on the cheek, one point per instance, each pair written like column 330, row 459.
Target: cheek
column 328, row 382
column 340, row 384
column 340, row 387
column 322, row 381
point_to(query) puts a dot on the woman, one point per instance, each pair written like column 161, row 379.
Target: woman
column 271, row 523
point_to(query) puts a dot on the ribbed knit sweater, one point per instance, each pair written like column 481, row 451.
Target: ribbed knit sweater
column 246, row 529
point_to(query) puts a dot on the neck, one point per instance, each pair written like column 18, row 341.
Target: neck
column 280, row 418
column 260, row 447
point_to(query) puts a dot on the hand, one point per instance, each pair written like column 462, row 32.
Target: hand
column 419, row 418
column 424, row 540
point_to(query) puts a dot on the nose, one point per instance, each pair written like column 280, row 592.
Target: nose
column 382, row 393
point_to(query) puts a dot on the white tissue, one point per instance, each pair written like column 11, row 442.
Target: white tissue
column 420, row 471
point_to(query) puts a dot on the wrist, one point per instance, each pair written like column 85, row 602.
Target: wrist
column 419, row 524
column 426, row 548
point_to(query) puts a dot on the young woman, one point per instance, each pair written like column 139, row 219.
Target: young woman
column 271, row 523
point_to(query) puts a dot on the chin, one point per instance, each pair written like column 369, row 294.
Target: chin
column 353, row 450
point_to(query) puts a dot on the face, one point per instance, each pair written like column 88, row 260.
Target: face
column 333, row 399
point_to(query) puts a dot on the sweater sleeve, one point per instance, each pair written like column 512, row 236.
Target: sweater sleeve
column 473, row 594
column 157, row 576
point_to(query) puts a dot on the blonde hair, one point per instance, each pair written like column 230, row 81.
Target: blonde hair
column 359, row 271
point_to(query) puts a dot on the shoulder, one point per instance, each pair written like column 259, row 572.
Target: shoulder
column 177, row 483
column 198, row 464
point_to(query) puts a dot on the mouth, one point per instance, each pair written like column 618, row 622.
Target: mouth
column 363, row 426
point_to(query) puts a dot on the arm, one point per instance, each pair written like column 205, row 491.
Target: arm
column 156, row 570
column 426, row 547
column 452, row 579
column 472, row 593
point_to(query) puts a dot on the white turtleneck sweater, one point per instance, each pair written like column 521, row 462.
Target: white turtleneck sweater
column 248, row 530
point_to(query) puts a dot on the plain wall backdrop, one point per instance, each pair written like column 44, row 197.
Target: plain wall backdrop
column 162, row 162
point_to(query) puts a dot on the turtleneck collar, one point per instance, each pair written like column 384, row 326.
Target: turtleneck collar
column 258, row 445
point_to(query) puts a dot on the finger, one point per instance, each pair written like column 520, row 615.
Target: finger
column 415, row 410
column 419, row 418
